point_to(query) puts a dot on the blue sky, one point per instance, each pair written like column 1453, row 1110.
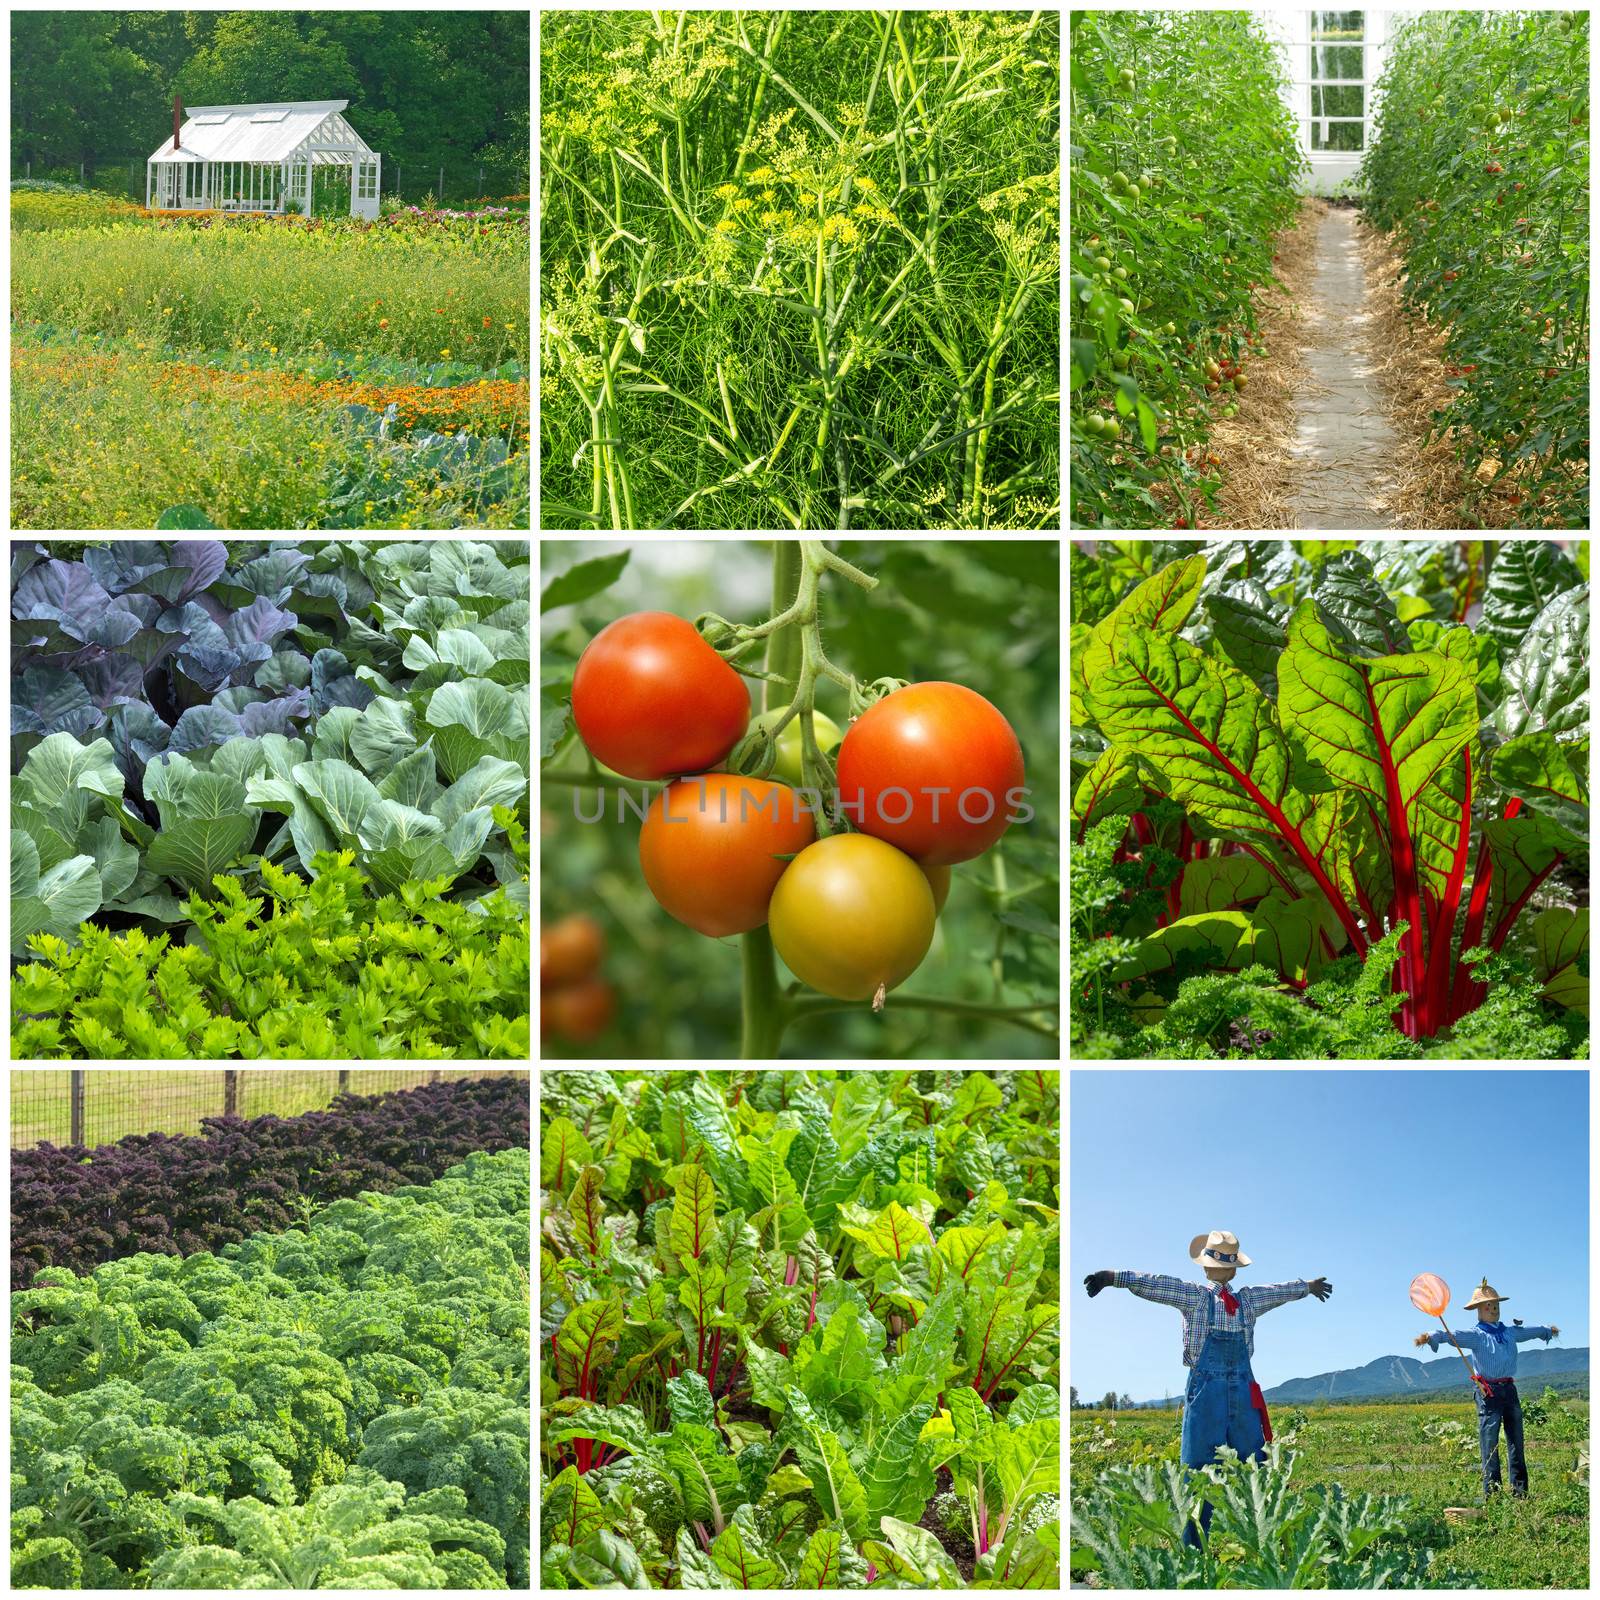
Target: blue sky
column 1364, row 1178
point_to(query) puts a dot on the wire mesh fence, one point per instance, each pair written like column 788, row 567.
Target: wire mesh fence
column 87, row 1106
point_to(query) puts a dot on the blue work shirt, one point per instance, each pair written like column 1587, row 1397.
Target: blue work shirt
column 1202, row 1307
column 1492, row 1346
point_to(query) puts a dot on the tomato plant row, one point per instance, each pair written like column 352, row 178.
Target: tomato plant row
column 1175, row 200
column 1480, row 168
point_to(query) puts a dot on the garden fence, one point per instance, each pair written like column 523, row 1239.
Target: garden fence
column 94, row 1107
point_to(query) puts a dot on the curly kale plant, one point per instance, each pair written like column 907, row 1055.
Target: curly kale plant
column 247, row 1419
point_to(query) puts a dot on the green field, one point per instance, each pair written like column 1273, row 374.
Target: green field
column 279, row 373
column 1425, row 1454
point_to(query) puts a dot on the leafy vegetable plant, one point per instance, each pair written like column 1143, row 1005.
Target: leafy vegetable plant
column 1310, row 754
column 304, row 972
column 1128, row 1527
column 188, row 711
column 758, row 227
column 343, row 1405
column 799, row 1330
column 177, row 1195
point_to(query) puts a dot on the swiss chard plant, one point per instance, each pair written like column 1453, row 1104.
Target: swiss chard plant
column 1317, row 751
column 800, row 1330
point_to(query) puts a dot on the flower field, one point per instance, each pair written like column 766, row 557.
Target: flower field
column 288, row 372
column 320, row 1371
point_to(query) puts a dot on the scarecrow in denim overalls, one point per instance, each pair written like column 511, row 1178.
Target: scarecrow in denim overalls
column 1222, row 1403
column 1493, row 1348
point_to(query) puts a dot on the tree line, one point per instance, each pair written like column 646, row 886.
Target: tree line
column 426, row 88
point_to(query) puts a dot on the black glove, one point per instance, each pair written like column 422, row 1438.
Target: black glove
column 1320, row 1287
column 1096, row 1281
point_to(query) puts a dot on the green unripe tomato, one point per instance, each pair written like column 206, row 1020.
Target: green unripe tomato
column 1129, row 77
column 1120, row 274
column 1120, row 361
column 1103, row 262
column 1127, row 306
column 1171, row 328
column 1119, row 180
column 1133, row 191
column 788, row 766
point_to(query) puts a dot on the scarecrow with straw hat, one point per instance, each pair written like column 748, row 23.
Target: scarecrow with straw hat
column 1493, row 1349
column 1222, row 1402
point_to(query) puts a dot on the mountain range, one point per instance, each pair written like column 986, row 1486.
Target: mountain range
column 1390, row 1376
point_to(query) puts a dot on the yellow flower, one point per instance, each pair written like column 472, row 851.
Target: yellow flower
column 726, row 191
column 727, row 225
column 445, row 354
column 743, row 205
column 867, row 184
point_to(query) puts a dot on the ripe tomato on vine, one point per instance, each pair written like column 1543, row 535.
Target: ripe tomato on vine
column 931, row 769
column 652, row 699
column 712, row 849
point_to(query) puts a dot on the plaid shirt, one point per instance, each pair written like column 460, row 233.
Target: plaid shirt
column 1202, row 1308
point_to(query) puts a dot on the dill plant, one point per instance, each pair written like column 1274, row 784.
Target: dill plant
column 799, row 269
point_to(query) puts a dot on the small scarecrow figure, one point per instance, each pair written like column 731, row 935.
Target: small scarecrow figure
column 1222, row 1402
column 1493, row 1348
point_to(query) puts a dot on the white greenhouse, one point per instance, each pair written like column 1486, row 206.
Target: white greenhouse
column 259, row 158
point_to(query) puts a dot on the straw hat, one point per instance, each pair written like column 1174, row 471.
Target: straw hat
column 1483, row 1294
column 1217, row 1249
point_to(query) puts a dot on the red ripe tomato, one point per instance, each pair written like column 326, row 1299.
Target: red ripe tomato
column 569, row 950
column 853, row 917
column 652, row 699
column 579, row 1013
column 711, row 848
column 930, row 768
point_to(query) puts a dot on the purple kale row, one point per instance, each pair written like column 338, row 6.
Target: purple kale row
column 178, row 1194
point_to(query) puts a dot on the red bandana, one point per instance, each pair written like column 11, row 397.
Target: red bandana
column 1229, row 1304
